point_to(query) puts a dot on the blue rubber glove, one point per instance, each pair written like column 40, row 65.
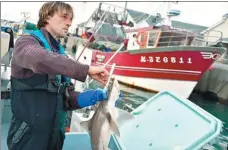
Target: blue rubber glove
column 90, row 97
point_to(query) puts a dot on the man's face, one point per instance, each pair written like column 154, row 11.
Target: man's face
column 59, row 24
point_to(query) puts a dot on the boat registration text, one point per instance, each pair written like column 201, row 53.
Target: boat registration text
column 158, row 59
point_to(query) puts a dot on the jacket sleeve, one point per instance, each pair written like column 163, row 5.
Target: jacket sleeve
column 73, row 101
column 73, row 98
column 28, row 53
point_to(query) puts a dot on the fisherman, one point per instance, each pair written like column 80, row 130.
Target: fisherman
column 41, row 91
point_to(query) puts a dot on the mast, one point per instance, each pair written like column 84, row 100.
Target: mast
column 168, row 17
column 125, row 12
column 25, row 16
column 171, row 13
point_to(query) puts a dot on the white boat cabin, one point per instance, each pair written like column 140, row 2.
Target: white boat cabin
column 150, row 37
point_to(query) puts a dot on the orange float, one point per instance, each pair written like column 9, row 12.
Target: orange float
column 143, row 34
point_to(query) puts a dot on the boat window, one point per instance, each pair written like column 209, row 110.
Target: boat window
column 152, row 38
column 173, row 38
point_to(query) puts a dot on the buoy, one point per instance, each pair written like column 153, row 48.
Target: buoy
column 141, row 33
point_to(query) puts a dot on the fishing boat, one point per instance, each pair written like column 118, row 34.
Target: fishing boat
column 154, row 58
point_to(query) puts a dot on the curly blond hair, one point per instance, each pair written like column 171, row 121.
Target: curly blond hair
column 49, row 9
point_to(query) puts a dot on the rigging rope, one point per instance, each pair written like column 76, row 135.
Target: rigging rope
column 88, row 42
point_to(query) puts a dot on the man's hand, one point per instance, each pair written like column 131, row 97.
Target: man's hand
column 99, row 73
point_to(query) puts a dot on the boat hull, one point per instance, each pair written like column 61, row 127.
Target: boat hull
column 180, row 87
column 176, row 69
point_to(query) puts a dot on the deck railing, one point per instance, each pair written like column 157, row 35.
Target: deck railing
column 186, row 38
column 166, row 38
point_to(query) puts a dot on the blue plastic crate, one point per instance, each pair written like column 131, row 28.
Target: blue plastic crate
column 81, row 141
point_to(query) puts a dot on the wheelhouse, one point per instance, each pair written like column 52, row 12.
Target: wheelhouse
column 152, row 37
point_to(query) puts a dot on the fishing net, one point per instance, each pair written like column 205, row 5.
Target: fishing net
column 108, row 36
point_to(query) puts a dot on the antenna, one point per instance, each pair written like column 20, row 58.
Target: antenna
column 26, row 15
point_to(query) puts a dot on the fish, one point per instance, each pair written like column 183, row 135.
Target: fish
column 106, row 120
